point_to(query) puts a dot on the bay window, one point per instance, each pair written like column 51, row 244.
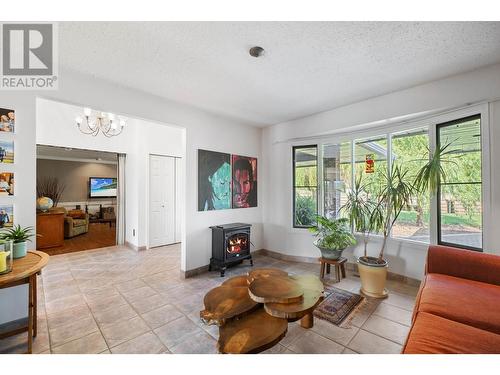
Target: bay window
column 305, row 186
column 410, row 150
column 337, row 176
column 460, row 208
column 454, row 218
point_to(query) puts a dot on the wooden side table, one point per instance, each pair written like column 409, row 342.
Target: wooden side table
column 24, row 271
column 339, row 265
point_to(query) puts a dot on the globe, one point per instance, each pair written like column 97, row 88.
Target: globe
column 44, row 203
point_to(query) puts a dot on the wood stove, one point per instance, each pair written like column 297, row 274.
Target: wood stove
column 230, row 245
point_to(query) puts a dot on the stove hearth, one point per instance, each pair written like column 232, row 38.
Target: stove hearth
column 230, row 245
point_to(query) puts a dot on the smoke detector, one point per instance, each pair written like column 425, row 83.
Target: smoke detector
column 256, row 51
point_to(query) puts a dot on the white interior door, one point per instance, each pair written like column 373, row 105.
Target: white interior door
column 178, row 199
column 161, row 200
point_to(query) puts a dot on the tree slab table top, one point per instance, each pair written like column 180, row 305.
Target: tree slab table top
column 226, row 302
column 253, row 333
column 312, row 297
column 253, row 311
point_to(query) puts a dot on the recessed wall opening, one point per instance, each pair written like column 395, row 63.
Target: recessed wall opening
column 82, row 188
column 120, row 163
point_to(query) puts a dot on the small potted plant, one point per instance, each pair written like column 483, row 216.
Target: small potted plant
column 333, row 236
column 20, row 236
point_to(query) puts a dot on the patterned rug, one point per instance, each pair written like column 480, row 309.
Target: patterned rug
column 337, row 306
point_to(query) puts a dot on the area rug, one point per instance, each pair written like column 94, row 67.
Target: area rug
column 338, row 305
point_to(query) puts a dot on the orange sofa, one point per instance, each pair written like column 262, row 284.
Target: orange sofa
column 458, row 305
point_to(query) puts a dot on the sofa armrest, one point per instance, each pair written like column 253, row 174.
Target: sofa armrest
column 466, row 264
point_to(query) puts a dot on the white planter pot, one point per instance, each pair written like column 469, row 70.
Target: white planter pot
column 373, row 278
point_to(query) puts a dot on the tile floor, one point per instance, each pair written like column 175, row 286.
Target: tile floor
column 116, row 300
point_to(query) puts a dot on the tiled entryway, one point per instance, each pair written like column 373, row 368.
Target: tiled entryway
column 116, row 300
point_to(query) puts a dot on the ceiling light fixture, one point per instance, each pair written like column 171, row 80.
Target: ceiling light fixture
column 106, row 123
column 256, row 51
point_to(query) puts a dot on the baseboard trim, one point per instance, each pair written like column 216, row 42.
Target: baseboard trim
column 14, row 325
column 353, row 267
column 134, row 247
column 289, row 258
column 194, row 272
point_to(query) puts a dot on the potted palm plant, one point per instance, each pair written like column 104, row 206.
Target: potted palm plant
column 333, row 236
column 368, row 214
column 391, row 199
column 20, row 236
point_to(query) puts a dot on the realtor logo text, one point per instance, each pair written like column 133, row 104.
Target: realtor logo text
column 29, row 56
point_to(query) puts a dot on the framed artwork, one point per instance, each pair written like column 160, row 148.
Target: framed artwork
column 244, row 181
column 6, row 215
column 6, row 152
column 6, row 183
column 7, row 120
column 214, row 180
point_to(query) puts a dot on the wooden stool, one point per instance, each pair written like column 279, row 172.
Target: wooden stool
column 339, row 267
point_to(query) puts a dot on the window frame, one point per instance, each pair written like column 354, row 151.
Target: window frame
column 429, row 119
column 438, row 194
column 296, row 147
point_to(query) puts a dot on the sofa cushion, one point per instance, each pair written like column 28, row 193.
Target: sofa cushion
column 434, row 334
column 469, row 302
column 79, row 222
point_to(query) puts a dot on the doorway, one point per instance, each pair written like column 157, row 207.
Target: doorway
column 83, row 186
column 164, row 228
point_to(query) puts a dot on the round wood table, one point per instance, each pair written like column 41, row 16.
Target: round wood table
column 24, row 271
column 253, row 311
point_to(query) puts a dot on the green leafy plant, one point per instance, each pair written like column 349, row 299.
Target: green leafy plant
column 363, row 213
column 305, row 211
column 393, row 197
column 17, row 234
column 333, row 234
column 432, row 173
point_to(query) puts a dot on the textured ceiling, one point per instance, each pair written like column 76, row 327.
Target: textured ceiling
column 308, row 67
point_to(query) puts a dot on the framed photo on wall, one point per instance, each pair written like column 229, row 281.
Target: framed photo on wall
column 6, row 183
column 6, row 215
column 6, row 151
column 7, row 120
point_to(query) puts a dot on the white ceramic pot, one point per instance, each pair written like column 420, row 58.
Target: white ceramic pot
column 373, row 277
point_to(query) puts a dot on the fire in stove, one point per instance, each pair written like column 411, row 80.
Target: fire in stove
column 237, row 244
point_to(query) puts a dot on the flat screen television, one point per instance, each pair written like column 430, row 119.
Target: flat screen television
column 102, row 187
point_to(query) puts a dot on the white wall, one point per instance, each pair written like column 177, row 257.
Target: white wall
column 405, row 258
column 202, row 130
column 13, row 301
column 494, row 218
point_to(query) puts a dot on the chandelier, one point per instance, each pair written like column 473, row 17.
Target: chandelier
column 106, row 123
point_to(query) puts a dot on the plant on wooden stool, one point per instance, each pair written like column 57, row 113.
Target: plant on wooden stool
column 333, row 236
column 20, row 236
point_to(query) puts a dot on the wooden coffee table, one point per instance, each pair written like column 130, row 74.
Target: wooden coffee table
column 253, row 311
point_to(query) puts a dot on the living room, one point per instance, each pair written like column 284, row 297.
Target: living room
column 302, row 188
column 82, row 184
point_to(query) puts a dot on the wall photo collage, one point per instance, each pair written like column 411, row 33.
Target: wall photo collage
column 7, row 127
column 226, row 181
